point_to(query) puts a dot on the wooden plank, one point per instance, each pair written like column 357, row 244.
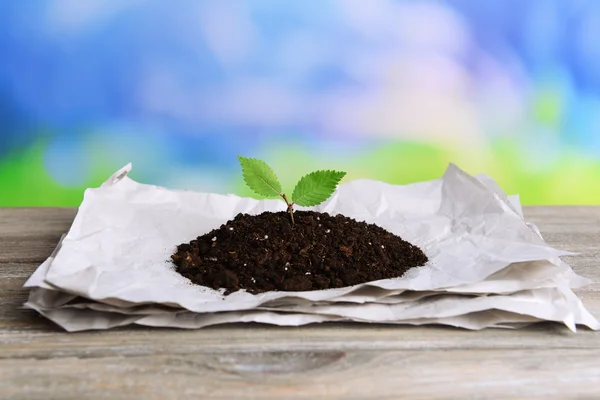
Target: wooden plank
column 12, row 298
column 38, row 360
column 435, row 374
column 247, row 338
column 28, row 235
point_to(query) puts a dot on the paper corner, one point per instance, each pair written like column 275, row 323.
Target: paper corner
column 118, row 176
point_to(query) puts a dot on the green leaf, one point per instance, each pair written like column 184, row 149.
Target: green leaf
column 260, row 177
column 316, row 187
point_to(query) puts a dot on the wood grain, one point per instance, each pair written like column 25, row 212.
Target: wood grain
column 30, row 234
column 340, row 361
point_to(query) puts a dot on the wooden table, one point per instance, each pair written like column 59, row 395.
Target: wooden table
column 341, row 361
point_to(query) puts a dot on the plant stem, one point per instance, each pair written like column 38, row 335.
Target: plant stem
column 289, row 205
column 291, row 213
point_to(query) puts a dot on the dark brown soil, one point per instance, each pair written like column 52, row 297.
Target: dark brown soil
column 265, row 252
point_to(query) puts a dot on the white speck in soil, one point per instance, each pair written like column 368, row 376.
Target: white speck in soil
column 318, row 219
column 369, row 243
column 382, row 246
column 319, row 224
column 212, row 258
column 266, row 236
column 230, row 229
column 285, row 269
column 253, row 280
column 308, row 273
column 328, row 230
column 245, row 265
column 214, row 239
column 287, row 263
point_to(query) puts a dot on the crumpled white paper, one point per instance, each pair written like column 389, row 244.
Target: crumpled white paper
column 488, row 267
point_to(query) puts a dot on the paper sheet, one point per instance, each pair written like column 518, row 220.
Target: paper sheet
column 112, row 266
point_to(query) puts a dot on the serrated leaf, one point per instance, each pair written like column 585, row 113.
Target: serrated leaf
column 260, row 177
column 316, row 187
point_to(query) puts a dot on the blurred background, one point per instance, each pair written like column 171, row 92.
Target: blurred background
column 384, row 89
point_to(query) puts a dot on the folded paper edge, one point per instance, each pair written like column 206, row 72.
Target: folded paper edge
column 118, row 176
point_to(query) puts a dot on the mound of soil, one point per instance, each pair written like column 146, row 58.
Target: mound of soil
column 265, row 252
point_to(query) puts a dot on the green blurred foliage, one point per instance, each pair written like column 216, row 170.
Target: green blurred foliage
column 572, row 179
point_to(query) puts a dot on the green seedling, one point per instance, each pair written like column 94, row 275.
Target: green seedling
column 312, row 189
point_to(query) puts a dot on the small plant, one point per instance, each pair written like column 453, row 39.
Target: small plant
column 312, row 189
